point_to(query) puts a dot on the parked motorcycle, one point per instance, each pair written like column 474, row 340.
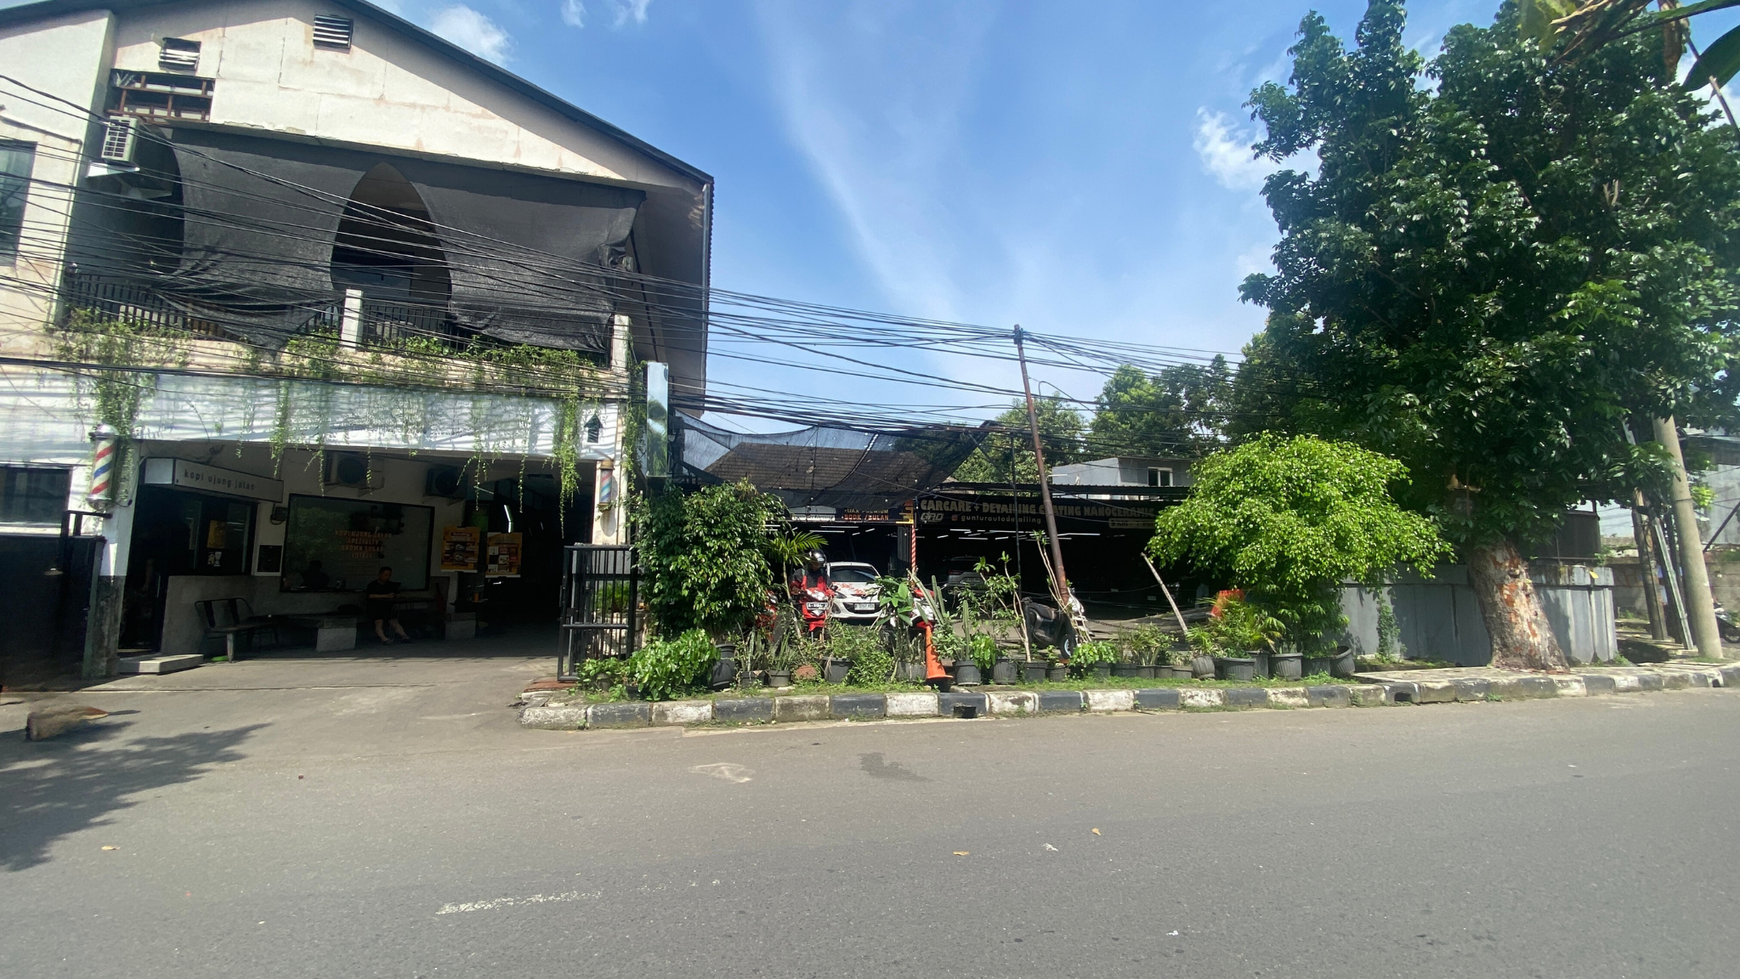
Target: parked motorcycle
column 1726, row 626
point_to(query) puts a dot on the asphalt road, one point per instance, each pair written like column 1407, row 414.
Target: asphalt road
column 403, row 828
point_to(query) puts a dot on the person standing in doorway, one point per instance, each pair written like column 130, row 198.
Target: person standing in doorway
column 379, row 595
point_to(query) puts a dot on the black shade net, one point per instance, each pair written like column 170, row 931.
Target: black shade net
column 823, row 466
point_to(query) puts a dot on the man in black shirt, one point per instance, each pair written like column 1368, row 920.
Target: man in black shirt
column 379, row 594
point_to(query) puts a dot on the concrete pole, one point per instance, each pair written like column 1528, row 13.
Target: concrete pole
column 350, row 323
column 108, row 591
column 1700, row 606
column 609, row 525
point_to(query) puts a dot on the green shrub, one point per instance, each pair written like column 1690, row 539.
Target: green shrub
column 1289, row 519
column 705, row 556
column 1094, row 652
column 870, row 667
column 603, row 673
column 667, row 668
column 983, row 650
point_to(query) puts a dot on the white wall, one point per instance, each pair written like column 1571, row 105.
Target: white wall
column 65, row 57
column 388, row 90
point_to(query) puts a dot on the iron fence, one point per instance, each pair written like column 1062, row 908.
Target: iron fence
column 600, row 590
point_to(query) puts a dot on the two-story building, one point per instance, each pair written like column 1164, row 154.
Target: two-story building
column 318, row 292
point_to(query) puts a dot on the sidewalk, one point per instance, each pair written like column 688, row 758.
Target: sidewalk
column 543, row 709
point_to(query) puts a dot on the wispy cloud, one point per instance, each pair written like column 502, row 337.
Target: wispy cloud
column 472, row 31
column 622, row 12
column 884, row 161
column 627, row 10
column 1225, row 152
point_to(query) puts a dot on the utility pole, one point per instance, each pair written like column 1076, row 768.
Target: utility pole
column 1700, row 605
column 1059, row 584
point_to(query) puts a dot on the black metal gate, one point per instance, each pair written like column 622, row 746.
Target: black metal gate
column 600, row 589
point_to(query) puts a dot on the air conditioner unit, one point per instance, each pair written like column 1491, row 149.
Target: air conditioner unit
column 445, row 481
column 352, row 469
column 120, row 134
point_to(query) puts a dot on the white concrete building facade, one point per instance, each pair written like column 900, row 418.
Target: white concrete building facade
column 328, row 267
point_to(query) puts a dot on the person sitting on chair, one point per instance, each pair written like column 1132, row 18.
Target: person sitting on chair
column 379, row 595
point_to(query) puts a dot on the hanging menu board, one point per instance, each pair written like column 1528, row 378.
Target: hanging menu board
column 354, row 539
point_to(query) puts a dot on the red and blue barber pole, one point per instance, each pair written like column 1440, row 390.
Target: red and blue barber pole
column 104, row 455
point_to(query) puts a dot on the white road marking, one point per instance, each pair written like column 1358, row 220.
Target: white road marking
column 504, row 902
column 724, row 770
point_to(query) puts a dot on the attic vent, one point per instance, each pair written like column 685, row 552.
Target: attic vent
column 332, row 32
column 179, row 54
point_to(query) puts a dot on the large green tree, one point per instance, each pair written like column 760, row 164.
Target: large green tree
column 1500, row 260
column 1176, row 411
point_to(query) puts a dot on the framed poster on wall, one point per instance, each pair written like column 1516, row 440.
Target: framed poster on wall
column 460, row 548
column 344, row 543
column 504, row 556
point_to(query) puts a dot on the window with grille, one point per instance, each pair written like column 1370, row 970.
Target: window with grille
column 1159, row 477
column 16, row 162
column 179, row 54
column 333, row 32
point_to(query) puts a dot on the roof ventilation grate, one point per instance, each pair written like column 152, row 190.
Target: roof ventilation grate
column 178, row 54
column 333, row 32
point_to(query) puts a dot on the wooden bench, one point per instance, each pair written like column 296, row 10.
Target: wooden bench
column 229, row 618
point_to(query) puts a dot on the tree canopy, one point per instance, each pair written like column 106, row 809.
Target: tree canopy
column 1287, row 519
column 1177, row 411
column 1500, row 259
column 1007, row 453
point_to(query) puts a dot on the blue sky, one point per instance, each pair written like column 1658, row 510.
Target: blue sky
column 1075, row 168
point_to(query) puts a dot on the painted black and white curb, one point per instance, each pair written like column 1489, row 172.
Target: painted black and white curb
column 538, row 712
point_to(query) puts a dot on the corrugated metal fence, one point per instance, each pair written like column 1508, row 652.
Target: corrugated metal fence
column 1439, row 618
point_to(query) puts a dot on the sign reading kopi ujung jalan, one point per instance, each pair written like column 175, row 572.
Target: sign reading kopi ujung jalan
column 210, row 479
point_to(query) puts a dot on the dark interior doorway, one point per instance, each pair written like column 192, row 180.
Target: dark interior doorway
column 179, row 533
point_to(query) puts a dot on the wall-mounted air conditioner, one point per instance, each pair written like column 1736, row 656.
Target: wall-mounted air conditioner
column 120, row 135
column 447, row 482
column 352, row 469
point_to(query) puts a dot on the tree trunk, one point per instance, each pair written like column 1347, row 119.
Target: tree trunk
column 1522, row 639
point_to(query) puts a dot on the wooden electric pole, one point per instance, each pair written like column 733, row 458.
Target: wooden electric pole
column 1060, row 583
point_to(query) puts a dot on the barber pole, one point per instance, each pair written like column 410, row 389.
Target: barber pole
column 103, row 453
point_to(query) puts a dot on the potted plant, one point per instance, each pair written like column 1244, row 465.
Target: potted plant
column 1094, row 657
column 1148, row 648
column 1126, row 665
column 1286, row 662
column 952, row 646
column 991, row 660
column 1236, row 630
column 1176, row 663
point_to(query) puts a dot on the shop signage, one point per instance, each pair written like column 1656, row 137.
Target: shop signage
column 210, row 479
column 981, row 511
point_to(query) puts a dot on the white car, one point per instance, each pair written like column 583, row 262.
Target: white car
column 857, row 595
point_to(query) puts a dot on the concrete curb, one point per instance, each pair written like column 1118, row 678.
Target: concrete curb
column 538, row 713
